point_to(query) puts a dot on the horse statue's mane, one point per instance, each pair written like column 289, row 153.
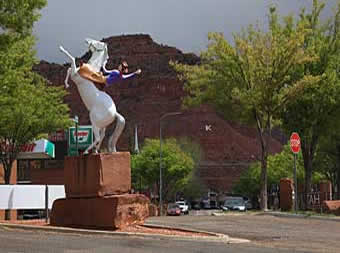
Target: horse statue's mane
column 102, row 110
column 100, row 48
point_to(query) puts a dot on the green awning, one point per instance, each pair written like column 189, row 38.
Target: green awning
column 40, row 149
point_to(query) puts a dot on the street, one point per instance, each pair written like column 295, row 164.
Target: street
column 15, row 241
column 311, row 235
column 267, row 233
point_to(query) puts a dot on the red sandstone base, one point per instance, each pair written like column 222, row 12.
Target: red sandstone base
column 286, row 194
column 114, row 212
column 332, row 206
column 97, row 175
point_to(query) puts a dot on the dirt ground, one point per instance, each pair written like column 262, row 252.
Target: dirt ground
column 132, row 228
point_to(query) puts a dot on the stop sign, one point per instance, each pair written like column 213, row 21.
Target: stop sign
column 295, row 143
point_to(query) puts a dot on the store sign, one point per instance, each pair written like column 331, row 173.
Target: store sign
column 59, row 135
column 84, row 135
column 40, row 149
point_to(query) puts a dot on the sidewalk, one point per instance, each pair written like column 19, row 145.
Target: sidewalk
column 299, row 215
column 283, row 214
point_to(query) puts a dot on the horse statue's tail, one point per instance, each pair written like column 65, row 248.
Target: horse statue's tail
column 67, row 77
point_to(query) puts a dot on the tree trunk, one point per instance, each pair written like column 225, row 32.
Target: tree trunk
column 264, row 174
column 308, row 172
column 264, row 155
column 8, row 172
column 338, row 185
column 7, row 177
column 308, row 156
column 263, row 194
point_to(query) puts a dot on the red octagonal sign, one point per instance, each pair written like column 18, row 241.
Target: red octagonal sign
column 295, row 143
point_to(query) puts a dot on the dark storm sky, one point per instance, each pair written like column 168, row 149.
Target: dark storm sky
column 180, row 23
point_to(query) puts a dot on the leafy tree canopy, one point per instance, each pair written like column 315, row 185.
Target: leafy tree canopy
column 176, row 165
column 29, row 107
column 254, row 78
column 315, row 112
column 279, row 166
column 18, row 16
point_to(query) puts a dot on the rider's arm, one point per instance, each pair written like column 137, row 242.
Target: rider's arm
column 137, row 72
column 128, row 76
column 106, row 71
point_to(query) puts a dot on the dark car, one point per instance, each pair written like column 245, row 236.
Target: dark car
column 195, row 206
column 173, row 209
column 234, row 204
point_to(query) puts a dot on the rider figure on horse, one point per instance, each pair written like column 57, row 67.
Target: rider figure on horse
column 112, row 76
column 107, row 77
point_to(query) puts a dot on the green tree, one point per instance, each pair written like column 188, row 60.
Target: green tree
column 194, row 187
column 251, row 80
column 315, row 112
column 29, row 107
column 176, row 165
column 327, row 160
column 18, row 16
column 279, row 166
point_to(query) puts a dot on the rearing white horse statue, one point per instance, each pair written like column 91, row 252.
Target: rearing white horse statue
column 100, row 105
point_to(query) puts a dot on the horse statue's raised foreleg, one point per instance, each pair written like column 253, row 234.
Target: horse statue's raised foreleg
column 120, row 124
column 67, row 77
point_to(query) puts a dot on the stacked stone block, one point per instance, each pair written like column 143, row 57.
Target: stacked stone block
column 97, row 190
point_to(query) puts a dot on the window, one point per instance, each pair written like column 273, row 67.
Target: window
column 23, row 171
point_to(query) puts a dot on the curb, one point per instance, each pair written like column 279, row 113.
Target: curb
column 304, row 216
column 288, row 215
column 210, row 236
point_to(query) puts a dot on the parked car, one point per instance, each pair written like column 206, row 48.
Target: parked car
column 248, row 203
column 173, row 209
column 195, row 205
column 237, row 204
column 205, row 203
column 32, row 214
column 183, row 205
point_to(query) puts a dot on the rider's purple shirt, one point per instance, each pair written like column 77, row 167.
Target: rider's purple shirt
column 116, row 75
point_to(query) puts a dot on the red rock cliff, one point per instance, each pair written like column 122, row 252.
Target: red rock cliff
column 228, row 147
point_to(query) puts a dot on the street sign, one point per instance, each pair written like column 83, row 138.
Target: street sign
column 85, row 139
column 295, row 143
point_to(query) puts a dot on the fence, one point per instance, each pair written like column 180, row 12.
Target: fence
column 30, row 196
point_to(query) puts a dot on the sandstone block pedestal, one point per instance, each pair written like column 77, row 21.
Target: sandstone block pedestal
column 97, row 175
column 332, row 206
column 114, row 212
column 97, row 190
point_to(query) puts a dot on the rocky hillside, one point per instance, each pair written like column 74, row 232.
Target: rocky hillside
column 228, row 147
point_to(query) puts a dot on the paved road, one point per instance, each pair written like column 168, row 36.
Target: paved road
column 310, row 235
column 16, row 240
column 268, row 234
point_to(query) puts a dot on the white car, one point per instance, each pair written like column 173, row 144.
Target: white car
column 183, row 205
